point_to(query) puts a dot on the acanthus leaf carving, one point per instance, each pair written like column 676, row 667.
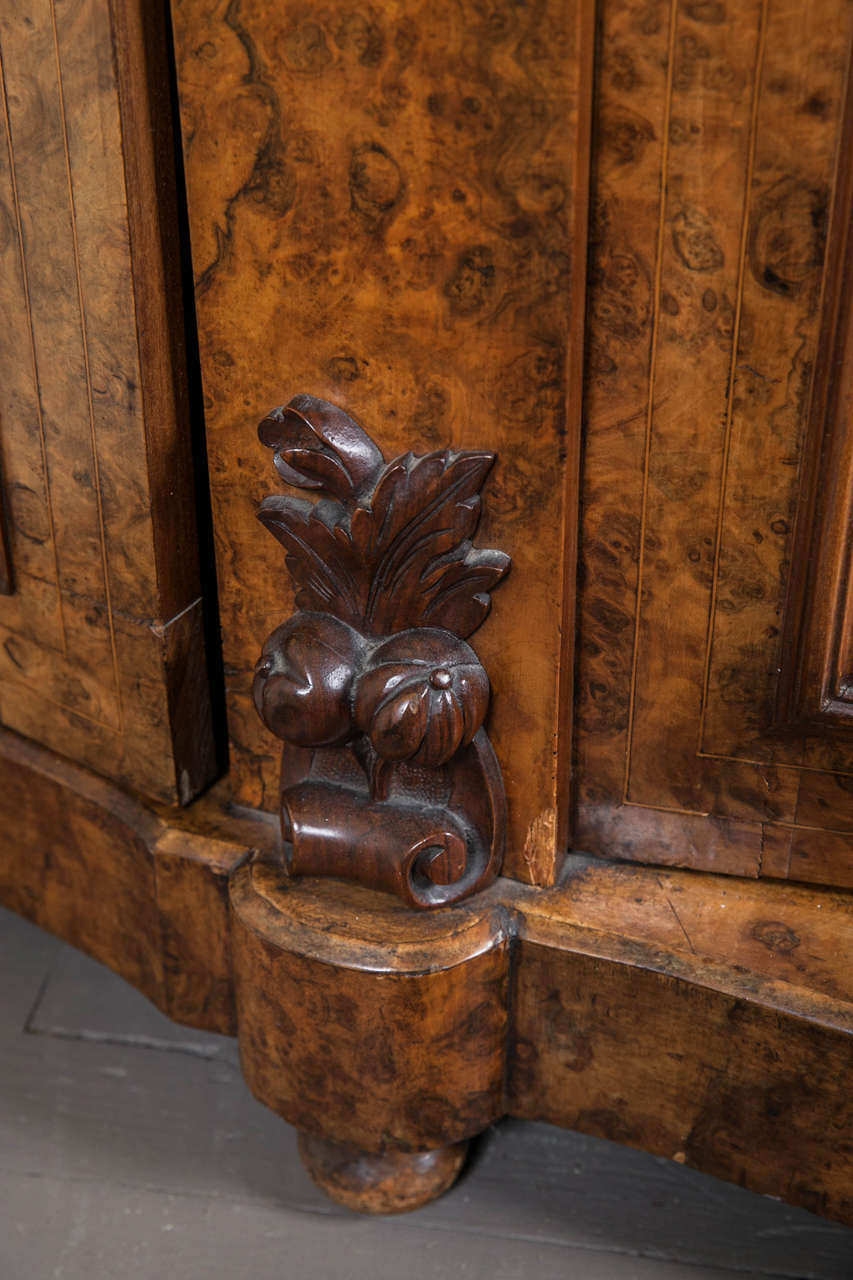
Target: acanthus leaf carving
column 416, row 529
column 374, row 678
column 321, row 558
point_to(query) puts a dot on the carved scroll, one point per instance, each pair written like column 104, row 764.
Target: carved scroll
column 388, row 776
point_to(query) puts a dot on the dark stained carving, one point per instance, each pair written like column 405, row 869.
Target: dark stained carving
column 388, row 776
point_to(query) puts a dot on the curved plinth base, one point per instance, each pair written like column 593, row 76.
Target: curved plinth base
column 700, row 1017
column 394, row 1182
column 365, row 1022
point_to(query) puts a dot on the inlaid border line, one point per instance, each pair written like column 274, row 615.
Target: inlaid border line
column 653, row 350
column 730, row 391
column 25, row 281
column 85, row 346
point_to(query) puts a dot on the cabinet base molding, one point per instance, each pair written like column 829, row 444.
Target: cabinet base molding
column 701, row 1017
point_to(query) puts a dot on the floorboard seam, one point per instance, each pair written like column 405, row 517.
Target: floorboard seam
column 40, row 994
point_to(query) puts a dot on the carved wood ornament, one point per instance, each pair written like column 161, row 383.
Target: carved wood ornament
column 388, row 776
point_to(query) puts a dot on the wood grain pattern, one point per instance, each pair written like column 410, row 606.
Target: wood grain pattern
column 388, row 210
column 816, row 677
column 93, row 865
column 705, row 1018
column 720, row 168
column 388, row 1038
column 669, row 1012
column 102, row 654
column 6, row 578
column 394, row 1182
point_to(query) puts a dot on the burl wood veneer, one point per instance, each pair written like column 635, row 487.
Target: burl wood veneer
column 716, row 367
column 395, row 1182
column 706, row 1018
column 102, row 640
column 816, row 684
column 388, row 211
column 388, row 207
column 415, row 253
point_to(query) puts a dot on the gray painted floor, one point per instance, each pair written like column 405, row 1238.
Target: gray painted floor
column 130, row 1147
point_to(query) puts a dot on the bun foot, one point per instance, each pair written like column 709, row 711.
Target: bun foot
column 391, row 1183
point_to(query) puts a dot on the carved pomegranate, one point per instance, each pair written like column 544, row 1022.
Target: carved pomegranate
column 375, row 671
column 304, row 679
column 422, row 696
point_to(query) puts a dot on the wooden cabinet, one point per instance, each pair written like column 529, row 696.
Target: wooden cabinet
column 610, row 244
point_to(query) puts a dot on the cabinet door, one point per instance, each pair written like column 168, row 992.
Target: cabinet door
column 715, row 617
column 102, row 651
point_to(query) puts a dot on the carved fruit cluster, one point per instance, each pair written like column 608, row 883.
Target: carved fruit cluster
column 418, row 695
column 373, row 673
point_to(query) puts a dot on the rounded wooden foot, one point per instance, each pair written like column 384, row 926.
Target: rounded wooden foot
column 391, row 1183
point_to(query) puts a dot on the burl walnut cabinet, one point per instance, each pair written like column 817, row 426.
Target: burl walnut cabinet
column 504, row 765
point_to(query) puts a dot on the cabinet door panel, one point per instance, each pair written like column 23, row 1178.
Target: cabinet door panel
column 721, row 223
column 102, row 636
